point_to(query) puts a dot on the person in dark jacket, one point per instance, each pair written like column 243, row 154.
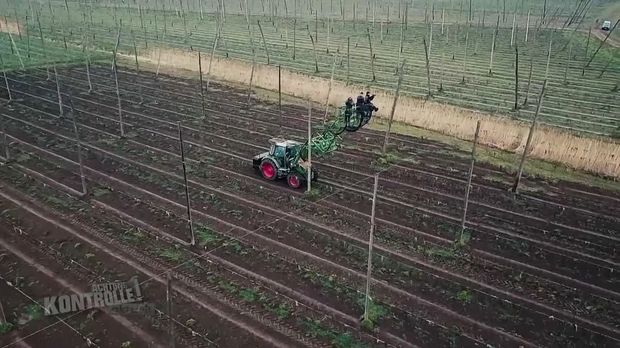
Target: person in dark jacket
column 369, row 107
column 361, row 101
column 348, row 110
column 349, row 103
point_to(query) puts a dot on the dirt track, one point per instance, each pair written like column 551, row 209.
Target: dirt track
column 600, row 34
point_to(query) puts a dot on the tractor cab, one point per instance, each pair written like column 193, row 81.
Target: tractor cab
column 283, row 151
column 281, row 161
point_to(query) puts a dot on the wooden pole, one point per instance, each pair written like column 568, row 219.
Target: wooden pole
column 371, row 241
column 548, row 58
column 27, row 39
column 329, row 90
column 465, row 55
column 585, row 55
column 516, row 106
column 260, row 27
column 202, row 90
column 187, row 198
column 251, row 81
column 280, row 96
column 316, row 57
column 21, row 62
column 146, row 43
column 354, row 17
column 316, row 26
column 492, row 54
column 294, row 38
column 328, row 35
column 348, row 60
column 387, row 132
column 428, row 69
column 161, row 41
column 169, row 305
column 247, row 14
column 212, row 56
column 90, row 84
column 5, row 141
column 430, row 40
column 6, row 80
column 47, row 66
column 135, row 50
column 443, row 13
column 400, row 45
column 468, row 188
column 568, row 62
column 309, row 170
column 512, row 33
column 406, row 16
column 61, row 112
column 529, row 82
column 372, row 56
column 118, row 41
column 527, row 25
column 443, row 58
column 118, row 97
column 79, row 147
column 515, row 186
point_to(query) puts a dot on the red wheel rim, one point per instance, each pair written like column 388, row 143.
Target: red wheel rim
column 293, row 181
column 268, row 170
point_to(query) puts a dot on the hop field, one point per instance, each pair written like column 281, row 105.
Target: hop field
column 471, row 64
column 117, row 165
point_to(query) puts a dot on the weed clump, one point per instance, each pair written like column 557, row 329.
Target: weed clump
column 465, row 296
column 314, row 328
column 375, row 313
column 5, row 327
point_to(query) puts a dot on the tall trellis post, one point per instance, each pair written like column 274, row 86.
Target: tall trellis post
column 468, row 188
column 371, row 241
column 187, row 196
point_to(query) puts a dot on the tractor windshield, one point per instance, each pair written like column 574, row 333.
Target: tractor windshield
column 279, row 152
column 292, row 151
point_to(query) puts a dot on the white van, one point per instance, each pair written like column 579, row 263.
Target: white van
column 606, row 25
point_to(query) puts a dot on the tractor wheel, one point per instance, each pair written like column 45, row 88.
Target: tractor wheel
column 294, row 180
column 268, row 169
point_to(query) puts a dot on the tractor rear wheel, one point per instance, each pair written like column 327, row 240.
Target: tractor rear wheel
column 268, row 169
column 294, row 180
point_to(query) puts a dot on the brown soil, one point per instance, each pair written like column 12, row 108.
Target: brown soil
column 537, row 265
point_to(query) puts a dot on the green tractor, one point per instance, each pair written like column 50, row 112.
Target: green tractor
column 289, row 158
column 284, row 160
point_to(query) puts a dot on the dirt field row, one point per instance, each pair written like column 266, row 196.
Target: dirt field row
column 288, row 269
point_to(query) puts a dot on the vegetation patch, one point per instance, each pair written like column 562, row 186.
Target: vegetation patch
column 314, row 328
column 465, row 296
column 172, row 254
column 5, row 327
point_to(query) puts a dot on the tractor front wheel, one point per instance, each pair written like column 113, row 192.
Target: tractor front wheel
column 268, row 169
column 294, row 180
